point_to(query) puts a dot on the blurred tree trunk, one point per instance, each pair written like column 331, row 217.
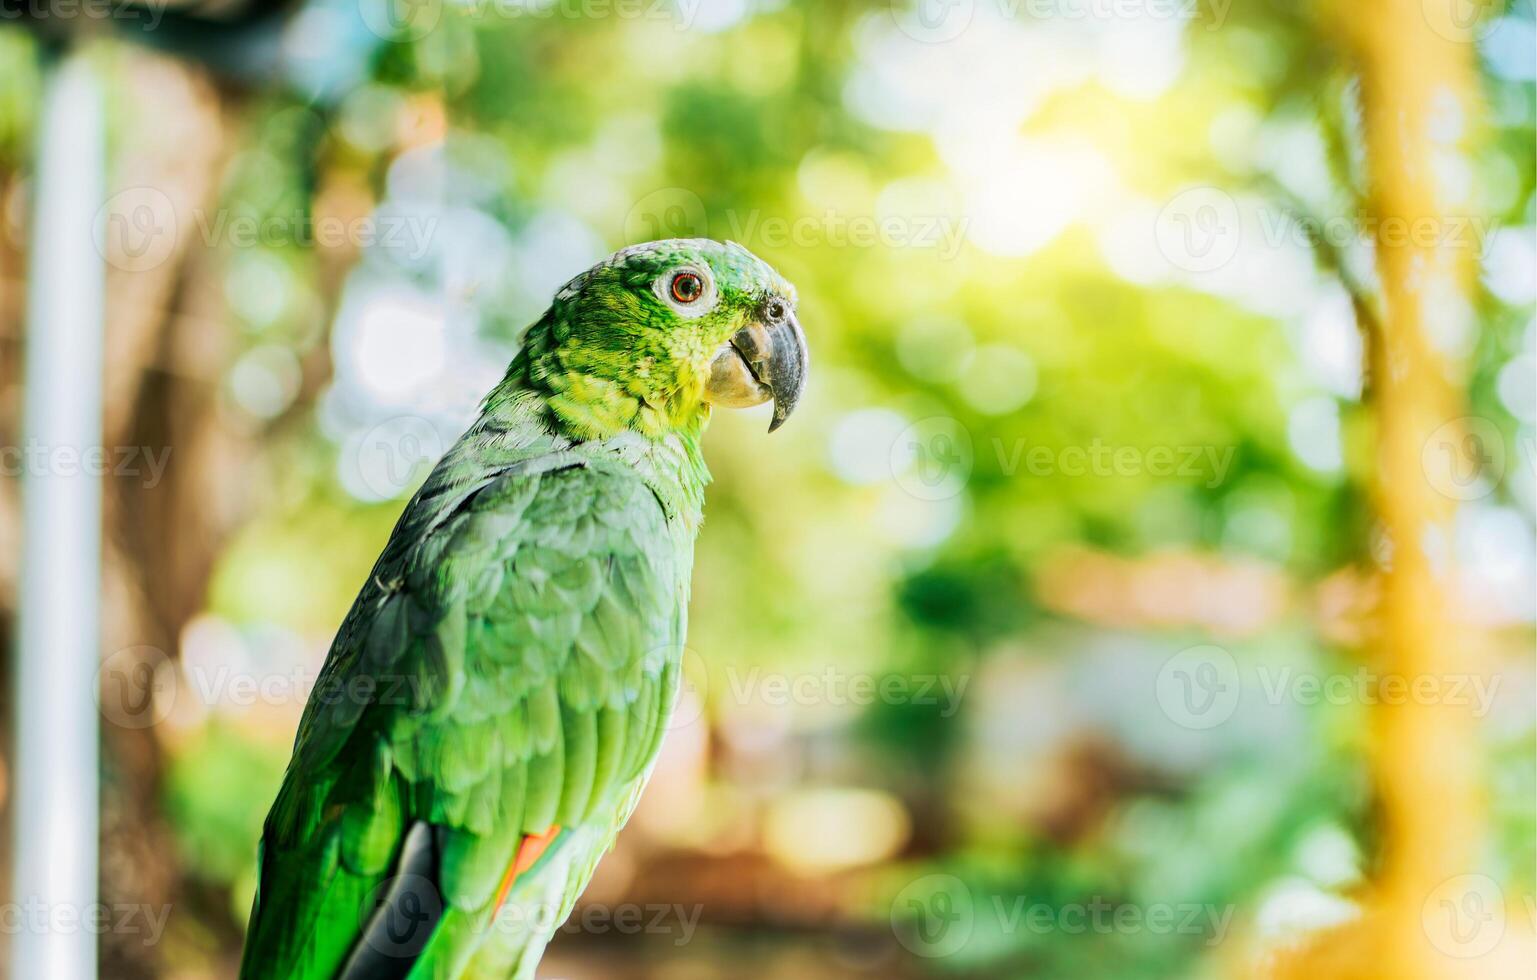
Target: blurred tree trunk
column 167, row 344
column 1427, row 915
column 1419, row 105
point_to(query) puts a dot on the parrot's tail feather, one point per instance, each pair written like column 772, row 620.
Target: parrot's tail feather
column 408, row 912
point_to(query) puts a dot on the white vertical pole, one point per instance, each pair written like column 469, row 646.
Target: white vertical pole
column 58, row 651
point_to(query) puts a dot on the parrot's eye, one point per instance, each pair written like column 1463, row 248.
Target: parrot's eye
column 688, row 290
column 687, row 287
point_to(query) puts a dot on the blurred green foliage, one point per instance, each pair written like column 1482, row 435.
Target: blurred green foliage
column 537, row 144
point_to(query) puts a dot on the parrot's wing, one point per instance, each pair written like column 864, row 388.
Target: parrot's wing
column 505, row 673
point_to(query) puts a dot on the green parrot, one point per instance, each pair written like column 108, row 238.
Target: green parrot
column 494, row 701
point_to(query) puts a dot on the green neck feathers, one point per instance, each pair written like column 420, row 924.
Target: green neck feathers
column 638, row 383
column 588, row 414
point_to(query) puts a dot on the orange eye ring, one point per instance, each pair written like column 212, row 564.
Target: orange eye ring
column 687, row 287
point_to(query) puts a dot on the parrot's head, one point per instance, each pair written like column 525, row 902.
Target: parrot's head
column 653, row 336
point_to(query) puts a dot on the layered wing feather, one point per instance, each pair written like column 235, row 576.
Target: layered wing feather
column 507, row 668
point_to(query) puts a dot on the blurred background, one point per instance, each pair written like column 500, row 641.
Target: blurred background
column 1145, row 587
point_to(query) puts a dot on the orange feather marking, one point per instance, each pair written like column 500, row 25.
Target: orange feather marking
column 530, row 849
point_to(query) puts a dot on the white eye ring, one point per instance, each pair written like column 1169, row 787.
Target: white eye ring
column 696, row 307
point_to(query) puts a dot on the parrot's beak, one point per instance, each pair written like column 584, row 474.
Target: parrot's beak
column 765, row 359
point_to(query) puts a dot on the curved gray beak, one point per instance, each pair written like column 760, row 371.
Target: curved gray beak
column 765, row 359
